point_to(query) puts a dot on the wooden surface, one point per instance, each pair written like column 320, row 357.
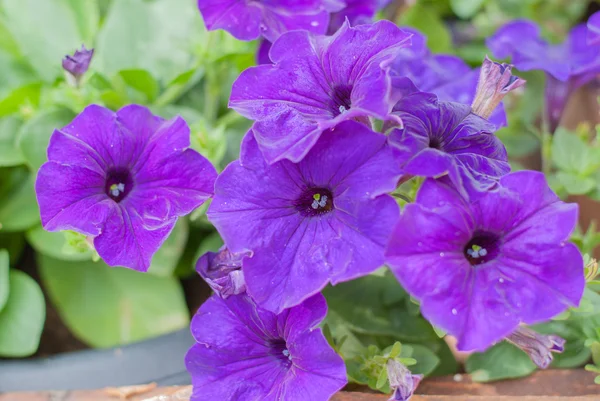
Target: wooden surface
column 551, row 385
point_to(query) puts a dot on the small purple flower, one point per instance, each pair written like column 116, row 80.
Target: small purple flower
column 444, row 75
column 480, row 268
column 122, row 178
column 222, row 271
column 446, row 138
column 402, row 382
column 78, row 63
column 568, row 65
column 245, row 353
column 250, row 19
column 539, row 347
column 495, row 81
column 324, row 219
column 317, row 82
column 593, row 32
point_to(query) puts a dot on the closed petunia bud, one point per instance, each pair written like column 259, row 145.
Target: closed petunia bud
column 495, row 81
column 222, row 271
column 78, row 63
column 539, row 347
column 402, row 382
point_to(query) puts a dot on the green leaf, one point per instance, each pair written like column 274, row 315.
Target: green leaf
column 430, row 24
column 22, row 319
column 502, row 361
column 18, row 204
column 575, row 184
column 571, row 154
column 54, row 244
column 35, row 134
column 4, row 288
column 165, row 260
column 10, row 154
column 426, row 359
column 142, row 81
column 466, row 8
column 45, row 32
column 106, row 306
column 24, row 96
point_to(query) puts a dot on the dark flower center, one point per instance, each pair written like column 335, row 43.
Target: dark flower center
column 315, row 202
column 483, row 247
column 435, row 143
column 118, row 184
column 340, row 99
column 278, row 349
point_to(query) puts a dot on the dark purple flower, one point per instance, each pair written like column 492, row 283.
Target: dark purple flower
column 495, row 81
column 222, row 271
column 539, row 347
column 444, row 75
column 402, row 382
column 568, row 65
column 357, row 12
column 446, row 138
column 317, row 82
column 78, row 63
column 251, row 19
column 480, row 268
column 245, row 353
column 593, row 29
column 325, row 219
column 122, row 178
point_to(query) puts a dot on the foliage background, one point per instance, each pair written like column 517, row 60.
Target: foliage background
column 157, row 53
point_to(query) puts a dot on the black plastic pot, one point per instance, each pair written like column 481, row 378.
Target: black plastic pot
column 159, row 360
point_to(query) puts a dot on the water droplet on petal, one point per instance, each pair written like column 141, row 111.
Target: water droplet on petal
column 442, row 254
column 419, row 244
column 454, row 311
column 501, row 280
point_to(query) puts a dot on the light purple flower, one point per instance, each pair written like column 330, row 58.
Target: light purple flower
column 446, row 138
column 568, row 65
column 495, row 81
column 480, row 268
column 122, row 178
column 539, row 347
column 402, row 382
column 251, row 19
column 222, row 271
column 245, row 353
column 593, row 29
column 444, row 75
column 317, row 82
column 325, row 219
column 78, row 63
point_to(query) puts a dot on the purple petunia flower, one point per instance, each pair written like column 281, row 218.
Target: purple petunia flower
column 222, row 271
column 325, row 219
column 357, row 12
column 122, row 178
column 446, row 138
column 568, row 65
column 245, row 353
column 539, row 347
column 480, row 268
column 444, row 75
column 593, row 29
column 317, row 82
column 251, row 19
column 78, row 63
column 402, row 382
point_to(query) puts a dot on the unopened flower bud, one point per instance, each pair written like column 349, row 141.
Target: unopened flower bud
column 402, row 382
column 539, row 347
column 495, row 81
column 78, row 63
column 222, row 271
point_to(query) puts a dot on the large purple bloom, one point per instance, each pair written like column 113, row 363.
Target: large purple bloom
column 122, row 178
column 446, row 138
column 568, row 65
column 245, row 353
column 250, row 19
column 480, row 268
column 315, row 83
column 447, row 76
column 325, row 219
